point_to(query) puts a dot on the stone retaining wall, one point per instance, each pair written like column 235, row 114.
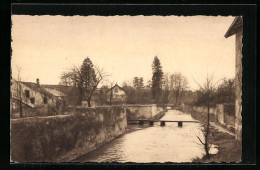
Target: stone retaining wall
column 224, row 114
column 65, row 137
column 143, row 111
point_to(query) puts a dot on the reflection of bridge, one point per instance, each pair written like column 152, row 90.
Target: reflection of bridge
column 162, row 122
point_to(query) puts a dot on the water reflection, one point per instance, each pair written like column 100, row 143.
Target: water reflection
column 154, row 144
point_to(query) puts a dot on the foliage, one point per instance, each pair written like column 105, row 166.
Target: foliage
column 84, row 80
column 157, row 79
column 175, row 86
column 137, row 94
column 224, row 93
column 138, row 83
column 178, row 85
column 103, row 95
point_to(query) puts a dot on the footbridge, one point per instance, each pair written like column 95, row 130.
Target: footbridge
column 162, row 122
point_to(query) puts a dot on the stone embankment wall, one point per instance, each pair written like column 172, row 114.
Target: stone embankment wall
column 200, row 113
column 144, row 112
column 65, row 137
column 223, row 114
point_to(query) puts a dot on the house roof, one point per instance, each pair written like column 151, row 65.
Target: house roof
column 54, row 92
column 235, row 27
column 37, row 88
column 116, row 85
column 61, row 88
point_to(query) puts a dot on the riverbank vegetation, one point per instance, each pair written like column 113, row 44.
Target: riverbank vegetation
column 210, row 95
column 229, row 149
column 163, row 88
column 207, row 90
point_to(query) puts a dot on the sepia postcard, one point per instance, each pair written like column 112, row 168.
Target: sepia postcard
column 121, row 88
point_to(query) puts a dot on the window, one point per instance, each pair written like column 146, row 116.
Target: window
column 32, row 100
column 27, row 93
column 116, row 90
column 45, row 101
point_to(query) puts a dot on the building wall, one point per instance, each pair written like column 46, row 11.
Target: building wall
column 38, row 97
column 29, row 109
column 119, row 95
column 238, row 84
column 65, row 137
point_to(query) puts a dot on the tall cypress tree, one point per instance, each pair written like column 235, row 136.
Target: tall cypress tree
column 88, row 79
column 157, row 79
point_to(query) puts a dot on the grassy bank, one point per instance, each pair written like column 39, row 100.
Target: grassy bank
column 229, row 149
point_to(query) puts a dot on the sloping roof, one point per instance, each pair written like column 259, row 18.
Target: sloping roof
column 116, row 85
column 37, row 88
column 54, row 92
column 235, row 27
column 61, row 88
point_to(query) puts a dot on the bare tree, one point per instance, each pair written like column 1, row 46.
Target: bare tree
column 85, row 79
column 207, row 89
column 67, row 78
column 178, row 84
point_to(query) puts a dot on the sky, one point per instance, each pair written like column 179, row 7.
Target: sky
column 123, row 46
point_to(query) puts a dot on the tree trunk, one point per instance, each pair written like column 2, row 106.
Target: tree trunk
column 207, row 150
column 177, row 98
column 21, row 105
column 89, row 105
column 207, row 131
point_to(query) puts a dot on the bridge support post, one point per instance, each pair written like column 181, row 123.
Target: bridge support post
column 179, row 124
column 162, row 123
column 141, row 122
column 151, row 123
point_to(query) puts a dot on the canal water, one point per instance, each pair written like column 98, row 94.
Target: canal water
column 169, row 143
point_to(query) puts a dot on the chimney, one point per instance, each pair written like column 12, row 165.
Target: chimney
column 37, row 81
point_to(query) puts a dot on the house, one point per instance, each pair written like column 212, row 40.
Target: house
column 59, row 91
column 31, row 96
column 117, row 95
column 236, row 28
column 103, row 96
